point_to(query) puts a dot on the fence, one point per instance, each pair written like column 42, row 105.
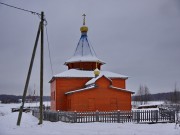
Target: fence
column 137, row 116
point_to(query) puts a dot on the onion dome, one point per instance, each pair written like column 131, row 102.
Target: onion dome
column 84, row 29
column 96, row 72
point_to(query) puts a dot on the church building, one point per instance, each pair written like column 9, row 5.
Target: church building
column 84, row 86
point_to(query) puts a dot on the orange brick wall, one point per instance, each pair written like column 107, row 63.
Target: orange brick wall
column 105, row 100
column 53, row 95
column 102, row 98
column 118, row 82
column 64, row 85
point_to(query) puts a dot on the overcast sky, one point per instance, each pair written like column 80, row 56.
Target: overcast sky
column 137, row 38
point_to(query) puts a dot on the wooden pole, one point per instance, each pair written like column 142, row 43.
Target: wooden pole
column 28, row 77
column 41, row 69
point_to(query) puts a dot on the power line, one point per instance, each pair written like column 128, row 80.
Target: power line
column 49, row 50
column 22, row 9
column 39, row 15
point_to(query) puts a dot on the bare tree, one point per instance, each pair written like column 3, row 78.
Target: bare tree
column 175, row 98
column 146, row 94
column 143, row 94
column 139, row 94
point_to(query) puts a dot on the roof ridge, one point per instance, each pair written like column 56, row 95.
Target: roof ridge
column 93, row 80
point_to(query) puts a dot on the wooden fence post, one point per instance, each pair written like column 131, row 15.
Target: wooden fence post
column 57, row 116
column 156, row 114
column 138, row 116
column 43, row 115
column 33, row 112
column 75, row 116
column 118, row 116
column 172, row 116
column 97, row 116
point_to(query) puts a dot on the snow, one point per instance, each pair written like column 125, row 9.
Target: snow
column 137, row 103
column 147, row 109
column 29, row 126
column 87, row 88
column 84, row 52
column 89, row 74
column 93, row 80
column 121, row 89
column 151, row 104
column 87, row 58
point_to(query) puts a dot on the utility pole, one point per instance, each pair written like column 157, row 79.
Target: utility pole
column 40, row 30
column 28, row 77
column 41, row 68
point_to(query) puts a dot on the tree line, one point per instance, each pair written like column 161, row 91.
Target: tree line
column 16, row 99
column 143, row 95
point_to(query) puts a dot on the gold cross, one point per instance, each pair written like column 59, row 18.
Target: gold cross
column 84, row 19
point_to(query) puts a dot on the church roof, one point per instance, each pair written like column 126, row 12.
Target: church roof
column 92, row 85
column 93, row 80
column 88, row 74
column 121, row 89
column 84, row 51
column 79, row 90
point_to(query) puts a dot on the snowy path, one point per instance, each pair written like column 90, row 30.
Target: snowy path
column 29, row 126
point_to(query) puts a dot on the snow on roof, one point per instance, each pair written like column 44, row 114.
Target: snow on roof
column 87, row 58
column 89, row 74
column 94, row 86
column 150, row 104
column 145, row 109
column 93, row 80
column 83, row 89
column 84, row 52
column 121, row 89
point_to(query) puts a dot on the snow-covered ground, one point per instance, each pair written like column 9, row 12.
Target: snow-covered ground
column 29, row 126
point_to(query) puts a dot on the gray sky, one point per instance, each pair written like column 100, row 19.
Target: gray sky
column 137, row 38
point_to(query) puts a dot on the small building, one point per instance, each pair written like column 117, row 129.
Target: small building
column 85, row 87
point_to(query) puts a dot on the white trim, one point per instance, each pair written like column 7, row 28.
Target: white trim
column 79, row 90
column 120, row 89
